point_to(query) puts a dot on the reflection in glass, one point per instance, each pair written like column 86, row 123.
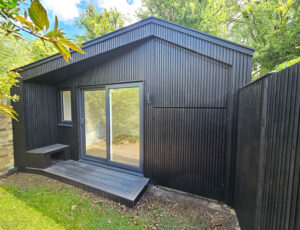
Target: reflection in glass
column 66, row 99
column 125, row 125
column 95, row 123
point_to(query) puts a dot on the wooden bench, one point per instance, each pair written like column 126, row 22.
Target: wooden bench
column 41, row 157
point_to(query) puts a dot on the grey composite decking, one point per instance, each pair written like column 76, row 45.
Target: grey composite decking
column 121, row 187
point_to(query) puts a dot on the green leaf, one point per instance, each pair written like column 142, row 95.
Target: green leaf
column 3, row 4
column 38, row 15
column 72, row 45
column 63, row 50
column 56, row 24
column 9, row 111
column 25, row 14
column 43, row 41
column 25, row 22
column 8, row 108
column 55, row 34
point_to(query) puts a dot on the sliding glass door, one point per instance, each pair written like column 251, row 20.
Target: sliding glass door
column 95, row 123
column 124, row 121
column 112, row 125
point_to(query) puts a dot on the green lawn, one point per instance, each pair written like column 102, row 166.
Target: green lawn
column 64, row 209
column 36, row 202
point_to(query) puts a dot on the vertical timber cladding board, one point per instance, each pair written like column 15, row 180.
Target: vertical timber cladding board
column 282, row 169
column 277, row 192
column 40, row 115
column 149, row 63
column 131, row 66
column 188, row 131
column 240, row 75
column 18, row 127
column 70, row 135
column 248, row 154
column 187, row 79
column 188, row 150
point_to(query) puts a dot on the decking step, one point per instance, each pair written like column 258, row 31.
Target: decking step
column 119, row 186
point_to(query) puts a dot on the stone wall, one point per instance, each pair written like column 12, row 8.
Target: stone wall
column 6, row 143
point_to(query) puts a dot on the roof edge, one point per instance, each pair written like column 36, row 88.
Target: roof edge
column 138, row 24
column 203, row 33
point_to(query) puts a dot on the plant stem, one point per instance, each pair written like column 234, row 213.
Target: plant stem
column 21, row 28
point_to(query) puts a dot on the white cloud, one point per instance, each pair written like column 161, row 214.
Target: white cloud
column 123, row 7
column 66, row 10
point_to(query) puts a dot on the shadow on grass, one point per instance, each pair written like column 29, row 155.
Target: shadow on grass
column 50, row 208
column 15, row 213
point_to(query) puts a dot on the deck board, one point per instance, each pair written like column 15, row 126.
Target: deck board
column 114, row 182
column 106, row 171
column 111, row 182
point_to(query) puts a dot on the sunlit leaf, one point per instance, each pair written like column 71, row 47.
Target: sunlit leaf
column 55, row 34
column 25, row 22
column 56, row 24
column 9, row 111
column 13, row 3
column 38, row 15
column 3, row 4
column 8, row 108
column 72, row 45
column 64, row 51
column 43, row 41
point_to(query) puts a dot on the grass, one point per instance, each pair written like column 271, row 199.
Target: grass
column 42, row 203
column 12, row 208
column 64, row 209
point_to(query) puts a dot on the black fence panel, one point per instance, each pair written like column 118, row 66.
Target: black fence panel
column 268, row 152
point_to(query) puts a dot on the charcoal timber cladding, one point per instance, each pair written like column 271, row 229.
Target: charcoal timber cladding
column 189, row 124
column 267, row 182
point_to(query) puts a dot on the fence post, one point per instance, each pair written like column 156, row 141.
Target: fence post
column 262, row 154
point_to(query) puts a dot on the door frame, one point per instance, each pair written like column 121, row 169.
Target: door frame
column 81, row 121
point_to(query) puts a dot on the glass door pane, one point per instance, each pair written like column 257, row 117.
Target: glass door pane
column 95, row 123
column 125, row 125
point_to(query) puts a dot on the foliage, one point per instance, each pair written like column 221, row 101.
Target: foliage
column 35, row 22
column 272, row 27
column 13, row 55
column 95, row 24
column 206, row 15
column 38, row 26
column 286, row 64
column 39, row 50
column 188, row 13
column 124, row 139
column 124, row 113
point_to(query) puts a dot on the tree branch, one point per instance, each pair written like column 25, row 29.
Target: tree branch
column 21, row 28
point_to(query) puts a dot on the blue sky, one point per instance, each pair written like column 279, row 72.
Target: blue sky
column 68, row 11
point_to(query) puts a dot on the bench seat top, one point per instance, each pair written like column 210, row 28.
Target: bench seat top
column 49, row 149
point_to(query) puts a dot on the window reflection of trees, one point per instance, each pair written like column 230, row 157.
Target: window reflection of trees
column 125, row 115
